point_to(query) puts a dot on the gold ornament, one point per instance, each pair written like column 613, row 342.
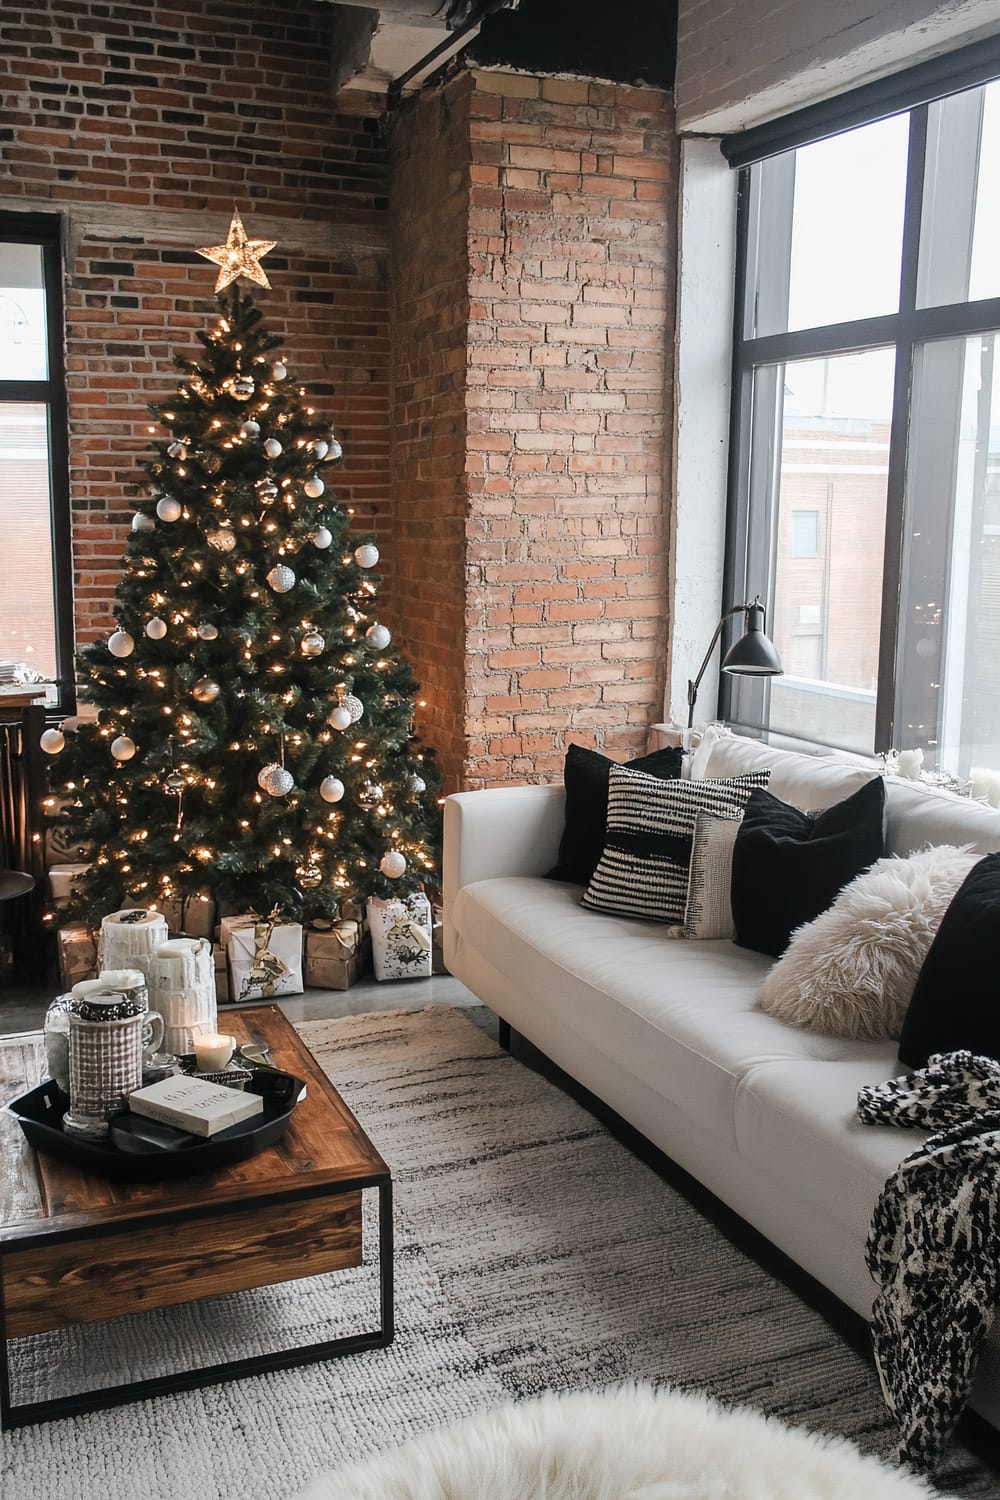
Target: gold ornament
column 238, row 256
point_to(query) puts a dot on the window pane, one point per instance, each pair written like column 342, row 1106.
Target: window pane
column 23, row 345
column 960, row 227
column 948, row 682
column 826, row 458
column 27, row 613
column 842, row 260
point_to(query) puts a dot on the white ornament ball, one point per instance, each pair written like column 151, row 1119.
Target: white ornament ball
column 392, row 864
column 354, row 707
column 250, row 429
column 336, row 452
column 323, row 538
column 378, row 636
column 321, row 448
column 223, row 540
column 52, row 741
column 281, row 579
column 331, row 789
column 206, row 690
column 142, row 522
column 367, row 555
column 176, row 449
column 272, row 448
column 121, row 643
column 156, row 628
column 168, row 509
column 265, row 774
column 123, row 748
column 313, row 643
column 208, row 632
column 339, row 717
column 243, row 387
column 417, row 784
column 280, row 782
column 314, row 486
column 279, row 370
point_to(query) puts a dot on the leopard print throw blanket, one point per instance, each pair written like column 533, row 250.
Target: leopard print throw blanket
column 932, row 1245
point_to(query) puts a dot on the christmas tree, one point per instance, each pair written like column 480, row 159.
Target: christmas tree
column 254, row 725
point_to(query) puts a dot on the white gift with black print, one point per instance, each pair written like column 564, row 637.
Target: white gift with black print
column 401, row 929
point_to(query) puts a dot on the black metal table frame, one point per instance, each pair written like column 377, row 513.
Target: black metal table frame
column 25, row 1413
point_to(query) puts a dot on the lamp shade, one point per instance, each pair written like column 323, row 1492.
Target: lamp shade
column 754, row 654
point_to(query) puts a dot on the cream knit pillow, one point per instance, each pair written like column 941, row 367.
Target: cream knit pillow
column 851, row 972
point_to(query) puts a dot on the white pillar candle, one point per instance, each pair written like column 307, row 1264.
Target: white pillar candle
column 182, row 989
column 129, row 939
column 213, row 1051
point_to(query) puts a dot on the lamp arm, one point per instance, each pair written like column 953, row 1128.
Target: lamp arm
column 692, row 692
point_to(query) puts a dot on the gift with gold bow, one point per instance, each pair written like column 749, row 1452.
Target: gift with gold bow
column 264, row 954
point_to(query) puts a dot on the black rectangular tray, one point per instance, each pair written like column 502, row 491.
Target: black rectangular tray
column 128, row 1157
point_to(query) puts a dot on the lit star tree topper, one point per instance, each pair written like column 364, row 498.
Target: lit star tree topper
column 238, row 256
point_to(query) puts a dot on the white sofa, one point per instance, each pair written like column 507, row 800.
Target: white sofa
column 667, row 1032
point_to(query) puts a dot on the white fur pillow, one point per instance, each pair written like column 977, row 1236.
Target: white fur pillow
column 851, row 972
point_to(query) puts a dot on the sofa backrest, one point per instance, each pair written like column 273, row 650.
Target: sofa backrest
column 918, row 815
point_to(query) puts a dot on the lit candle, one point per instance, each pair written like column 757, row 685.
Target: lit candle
column 213, row 1051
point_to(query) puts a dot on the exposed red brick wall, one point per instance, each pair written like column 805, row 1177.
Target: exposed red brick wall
column 573, row 248
column 429, row 212
column 142, row 127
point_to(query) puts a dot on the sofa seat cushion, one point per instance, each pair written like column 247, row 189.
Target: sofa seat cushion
column 797, row 1121
column 681, row 1017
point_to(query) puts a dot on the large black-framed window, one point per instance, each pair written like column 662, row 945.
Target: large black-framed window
column 36, row 581
column 867, row 397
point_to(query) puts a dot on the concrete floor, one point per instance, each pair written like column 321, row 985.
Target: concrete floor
column 23, row 1008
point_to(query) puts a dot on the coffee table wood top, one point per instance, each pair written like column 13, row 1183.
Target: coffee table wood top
column 322, row 1146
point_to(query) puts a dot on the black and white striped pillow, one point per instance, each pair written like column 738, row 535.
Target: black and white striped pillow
column 643, row 871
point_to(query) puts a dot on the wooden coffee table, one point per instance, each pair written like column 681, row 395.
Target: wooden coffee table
column 76, row 1248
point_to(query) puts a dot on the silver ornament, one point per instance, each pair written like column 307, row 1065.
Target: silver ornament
column 175, row 783
column 52, row 741
column 378, row 636
column 222, row 539
column 208, row 631
column 272, row 448
column 267, row 491
column 393, row 864
column 156, row 628
column 323, row 538
column 279, row 782
column 339, row 717
column 281, row 579
column 367, row 555
column 371, row 794
column 123, row 748
column 309, row 877
column 354, row 707
column 279, row 370
column 250, row 428
column 313, row 643
column 417, row 784
column 331, row 789
column 120, row 643
column 176, row 449
column 169, row 509
column 314, row 486
column 336, row 452
column 243, row 387
column 320, row 448
column 265, row 774
column 142, row 522
column 206, row 690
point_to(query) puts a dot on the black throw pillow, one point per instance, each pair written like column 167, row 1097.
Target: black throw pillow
column 788, row 865
column 586, row 776
column 954, row 1003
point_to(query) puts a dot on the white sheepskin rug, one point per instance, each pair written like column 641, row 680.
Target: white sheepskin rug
column 851, row 972
column 633, row 1443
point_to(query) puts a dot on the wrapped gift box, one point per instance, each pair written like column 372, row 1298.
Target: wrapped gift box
column 401, row 936
column 61, row 879
column 194, row 916
column 77, row 956
column 221, row 974
column 265, row 957
column 336, row 957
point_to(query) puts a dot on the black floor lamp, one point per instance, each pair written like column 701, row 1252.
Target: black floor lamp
column 752, row 655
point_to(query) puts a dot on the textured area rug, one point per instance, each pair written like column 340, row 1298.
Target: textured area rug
column 533, row 1253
